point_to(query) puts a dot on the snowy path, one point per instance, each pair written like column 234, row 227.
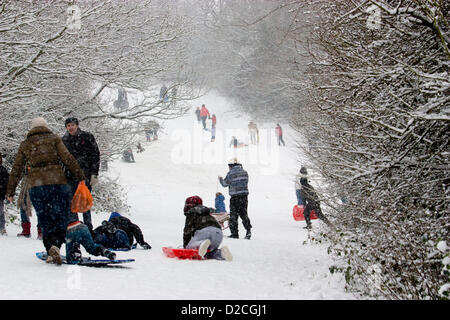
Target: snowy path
column 273, row 265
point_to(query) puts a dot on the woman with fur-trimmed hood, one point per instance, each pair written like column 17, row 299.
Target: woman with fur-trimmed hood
column 43, row 151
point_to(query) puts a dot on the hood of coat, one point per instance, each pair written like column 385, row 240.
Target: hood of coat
column 38, row 130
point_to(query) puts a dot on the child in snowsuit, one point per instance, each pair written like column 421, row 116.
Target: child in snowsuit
column 220, row 203
column 202, row 231
column 132, row 230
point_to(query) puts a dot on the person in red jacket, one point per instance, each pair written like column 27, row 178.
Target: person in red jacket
column 204, row 114
column 279, row 134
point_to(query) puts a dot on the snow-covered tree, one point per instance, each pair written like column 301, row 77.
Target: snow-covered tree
column 378, row 125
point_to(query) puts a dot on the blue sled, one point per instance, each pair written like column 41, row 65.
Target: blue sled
column 86, row 261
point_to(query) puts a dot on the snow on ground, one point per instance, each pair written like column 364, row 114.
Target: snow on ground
column 274, row 264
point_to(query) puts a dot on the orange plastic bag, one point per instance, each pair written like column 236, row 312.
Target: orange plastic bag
column 82, row 200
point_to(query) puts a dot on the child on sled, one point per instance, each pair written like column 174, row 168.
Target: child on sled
column 202, row 231
column 78, row 234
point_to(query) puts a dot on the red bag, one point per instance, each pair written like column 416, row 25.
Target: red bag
column 82, row 200
column 297, row 212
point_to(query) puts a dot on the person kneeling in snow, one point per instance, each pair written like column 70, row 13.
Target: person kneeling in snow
column 78, row 233
column 202, row 231
column 132, row 230
column 109, row 236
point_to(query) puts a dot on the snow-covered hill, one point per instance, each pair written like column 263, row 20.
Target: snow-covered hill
column 274, row 264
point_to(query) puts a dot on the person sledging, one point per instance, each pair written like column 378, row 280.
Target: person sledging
column 202, row 231
column 131, row 229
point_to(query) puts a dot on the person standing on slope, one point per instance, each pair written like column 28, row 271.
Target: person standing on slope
column 253, row 132
column 197, row 113
column 279, row 134
column 237, row 182
column 204, row 114
column 82, row 145
column 43, row 151
column 307, row 196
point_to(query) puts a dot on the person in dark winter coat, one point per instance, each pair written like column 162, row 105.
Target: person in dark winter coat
column 82, row 145
column 109, row 236
column 4, row 176
column 303, row 173
column 49, row 193
column 132, row 230
column 237, row 182
column 202, row 231
column 197, row 113
column 308, row 197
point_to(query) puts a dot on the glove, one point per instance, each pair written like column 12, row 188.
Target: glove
column 94, row 180
column 146, row 246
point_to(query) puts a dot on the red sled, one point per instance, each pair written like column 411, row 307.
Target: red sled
column 297, row 212
column 181, row 253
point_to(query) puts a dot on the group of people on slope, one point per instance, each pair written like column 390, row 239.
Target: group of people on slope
column 52, row 168
column 202, row 115
column 253, row 133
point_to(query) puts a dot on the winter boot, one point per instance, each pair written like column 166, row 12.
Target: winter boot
column 226, row 253
column 39, row 236
column 203, row 249
column 233, row 236
column 108, row 254
column 53, row 256
column 248, row 235
column 26, row 226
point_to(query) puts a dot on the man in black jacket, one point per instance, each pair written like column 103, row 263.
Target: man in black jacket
column 82, row 145
column 4, row 176
column 132, row 230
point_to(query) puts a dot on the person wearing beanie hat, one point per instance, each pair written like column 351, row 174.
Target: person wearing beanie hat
column 4, row 176
column 237, row 182
column 43, row 151
column 202, row 231
column 82, row 145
